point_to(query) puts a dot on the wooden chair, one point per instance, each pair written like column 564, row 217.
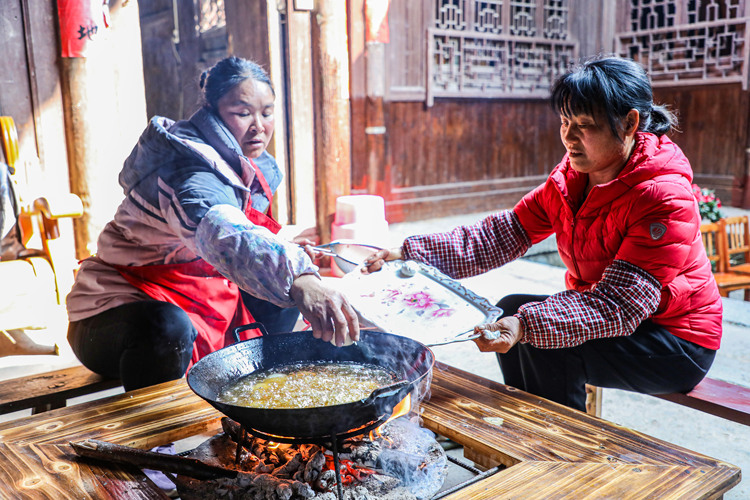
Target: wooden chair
column 715, row 243
column 737, row 232
column 34, row 277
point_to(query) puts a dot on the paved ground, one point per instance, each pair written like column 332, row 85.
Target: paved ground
column 685, row 427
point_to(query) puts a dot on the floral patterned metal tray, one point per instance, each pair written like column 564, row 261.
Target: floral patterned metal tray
column 416, row 300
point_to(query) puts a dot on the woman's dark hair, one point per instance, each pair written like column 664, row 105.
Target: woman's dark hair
column 611, row 86
column 227, row 74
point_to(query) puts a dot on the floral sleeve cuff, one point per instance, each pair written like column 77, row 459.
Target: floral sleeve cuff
column 251, row 256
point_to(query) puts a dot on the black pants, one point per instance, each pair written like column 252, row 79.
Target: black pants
column 650, row 361
column 149, row 342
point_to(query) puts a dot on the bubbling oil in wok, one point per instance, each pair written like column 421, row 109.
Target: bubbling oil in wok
column 306, row 385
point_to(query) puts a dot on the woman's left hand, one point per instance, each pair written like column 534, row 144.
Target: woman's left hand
column 499, row 336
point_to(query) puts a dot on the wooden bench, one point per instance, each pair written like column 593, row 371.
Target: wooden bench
column 716, row 397
column 47, row 391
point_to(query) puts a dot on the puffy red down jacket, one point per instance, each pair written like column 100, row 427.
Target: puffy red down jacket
column 647, row 216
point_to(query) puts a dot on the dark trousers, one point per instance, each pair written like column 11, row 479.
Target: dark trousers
column 650, row 361
column 149, row 342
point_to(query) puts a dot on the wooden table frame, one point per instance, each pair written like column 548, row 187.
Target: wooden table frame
column 550, row 451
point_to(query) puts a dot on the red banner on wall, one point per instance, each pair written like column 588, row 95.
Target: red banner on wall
column 80, row 24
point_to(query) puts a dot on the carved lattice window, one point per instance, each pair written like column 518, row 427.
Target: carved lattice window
column 212, row 15
column 497, row 48
column 688, row 42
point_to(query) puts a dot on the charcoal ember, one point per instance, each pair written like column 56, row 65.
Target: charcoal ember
column 382, row 487
column 271, row 458
column 240, row 487
column 358, row 493
column 274, row 487
column 263, row 468
column 303, row 490
column 365, row 452
column 291, row 466
column 257, row 447
column 309, row 450
column 314, row 466
column 381, row 484
column 326, row 480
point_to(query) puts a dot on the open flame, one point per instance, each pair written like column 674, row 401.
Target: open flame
column 402, row 408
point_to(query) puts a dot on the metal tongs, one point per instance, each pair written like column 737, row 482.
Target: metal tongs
column 348, row 255
column 464, row 336
column 461, row 337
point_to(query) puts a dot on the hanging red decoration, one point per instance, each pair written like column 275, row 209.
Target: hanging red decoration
column 376, row 16
column 81, row 22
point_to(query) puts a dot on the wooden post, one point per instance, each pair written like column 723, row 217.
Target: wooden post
column 252, row 43
column 262, row 45
column 105, row 112
column 302, row 126
column 377, row 34
column 332, row 120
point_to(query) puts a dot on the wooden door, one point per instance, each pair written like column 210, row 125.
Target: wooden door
column 31, row 89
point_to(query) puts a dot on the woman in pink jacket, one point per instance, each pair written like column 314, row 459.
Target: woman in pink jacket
column 641, row 311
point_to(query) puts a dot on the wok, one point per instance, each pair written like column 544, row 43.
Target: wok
column 409, row 360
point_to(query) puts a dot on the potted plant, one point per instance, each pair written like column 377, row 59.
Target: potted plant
column 708, row 204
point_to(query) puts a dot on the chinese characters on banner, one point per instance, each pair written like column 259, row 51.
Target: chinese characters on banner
column 81, row 21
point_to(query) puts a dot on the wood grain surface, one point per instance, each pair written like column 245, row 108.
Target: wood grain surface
column 551, row 451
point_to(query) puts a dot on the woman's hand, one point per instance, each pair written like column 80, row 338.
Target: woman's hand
column 499, row 336
column 307, row 239
column 328, row 311
column 375, row 261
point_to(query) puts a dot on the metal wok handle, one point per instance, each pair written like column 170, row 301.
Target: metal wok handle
column 387, row 390
column 250, row 326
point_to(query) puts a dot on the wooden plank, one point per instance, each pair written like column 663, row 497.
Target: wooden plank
column 512, row 426
column 143, row 419
column 546, row 480
column 718, row 398
column 53, row 471
column 51, row 388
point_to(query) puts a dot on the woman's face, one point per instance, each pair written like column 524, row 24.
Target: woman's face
column 593, row 149
column 247, row 110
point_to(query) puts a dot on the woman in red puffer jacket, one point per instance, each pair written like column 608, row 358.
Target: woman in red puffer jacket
column 642, row 311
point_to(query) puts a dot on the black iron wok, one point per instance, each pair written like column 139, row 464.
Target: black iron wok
column 411, row 362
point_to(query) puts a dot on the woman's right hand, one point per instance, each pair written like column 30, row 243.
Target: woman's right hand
column 375, row 261
column 329, row 312
column 499, row 336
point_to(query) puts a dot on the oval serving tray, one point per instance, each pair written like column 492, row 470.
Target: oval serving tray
column 427, row 306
